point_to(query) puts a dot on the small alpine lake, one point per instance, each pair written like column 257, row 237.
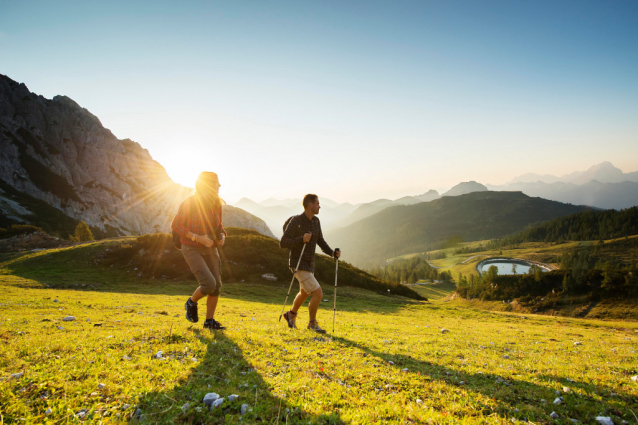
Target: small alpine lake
column 507, row 266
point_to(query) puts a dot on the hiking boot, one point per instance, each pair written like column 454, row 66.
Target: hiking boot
column 213, row 324
column 191, row 311
column 291, row 318
column 314, row 326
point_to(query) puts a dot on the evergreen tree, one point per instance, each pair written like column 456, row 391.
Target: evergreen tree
column 82, row 233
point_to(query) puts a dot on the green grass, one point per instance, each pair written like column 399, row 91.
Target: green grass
column 434, row 291
column 489, row 368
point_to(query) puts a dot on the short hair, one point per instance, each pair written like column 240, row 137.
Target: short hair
column 309, row 198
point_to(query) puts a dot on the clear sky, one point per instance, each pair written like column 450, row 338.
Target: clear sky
column 351, row 100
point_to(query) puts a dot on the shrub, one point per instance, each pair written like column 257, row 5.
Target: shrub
column 19, row 229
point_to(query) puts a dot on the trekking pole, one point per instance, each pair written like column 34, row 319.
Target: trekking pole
column 292, row 281
column 334, row 308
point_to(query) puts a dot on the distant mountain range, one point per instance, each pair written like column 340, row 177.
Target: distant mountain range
column 59, row 165
column 601, row 186
column 605, row 172
column 405, row 229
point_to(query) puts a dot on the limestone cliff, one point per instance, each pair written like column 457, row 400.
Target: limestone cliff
column 58, row 152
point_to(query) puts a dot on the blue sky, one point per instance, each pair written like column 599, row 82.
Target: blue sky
column 351, row 100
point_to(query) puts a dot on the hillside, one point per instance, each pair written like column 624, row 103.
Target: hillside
column 128, row 355
column 246, row 255
column 584, row 226
column 417, row 228
column 59, row 165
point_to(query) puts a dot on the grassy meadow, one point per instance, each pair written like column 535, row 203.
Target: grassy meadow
column 390, row 360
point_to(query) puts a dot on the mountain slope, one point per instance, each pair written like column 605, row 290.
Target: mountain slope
column 400, row 230
column 58, row 153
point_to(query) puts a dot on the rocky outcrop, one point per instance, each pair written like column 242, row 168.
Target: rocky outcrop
column 58, row 152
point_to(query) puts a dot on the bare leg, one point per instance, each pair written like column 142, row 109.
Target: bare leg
column 299, row 300
column 211, row 305
column 314, row 304
column 197, row 295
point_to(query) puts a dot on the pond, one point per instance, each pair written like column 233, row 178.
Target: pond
column 506, row 266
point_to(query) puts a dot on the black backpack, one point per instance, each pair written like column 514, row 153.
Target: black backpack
column 288, row 221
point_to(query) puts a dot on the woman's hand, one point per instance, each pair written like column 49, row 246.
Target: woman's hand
column 222, row 239
column 205, row 240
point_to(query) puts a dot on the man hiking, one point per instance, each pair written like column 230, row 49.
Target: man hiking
column 199, row 225
column 306, row 229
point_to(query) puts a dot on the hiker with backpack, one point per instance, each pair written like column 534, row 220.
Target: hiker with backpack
column 198, row 224
column 302, row 233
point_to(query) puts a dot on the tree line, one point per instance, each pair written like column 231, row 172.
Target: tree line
column 410, row 270
column 584, row 226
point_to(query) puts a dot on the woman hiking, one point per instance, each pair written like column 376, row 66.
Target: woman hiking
column 199, row 225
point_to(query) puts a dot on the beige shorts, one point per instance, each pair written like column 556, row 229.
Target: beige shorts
column 307, row 281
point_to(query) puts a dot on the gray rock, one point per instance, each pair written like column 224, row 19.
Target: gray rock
column 559, row 400
column 634, row 378
column 419, row 401
column 101, row 386
column 269, row 276
column 217, row 403
column 405, row 370
column 506, row 356
column 575, row 421
column 210, row 398
column 68, row 319
column 567, row 390
column 604, row 420
column 443, row 331
column 137, row 414
column 233, row 397
column 16, row 375
column 82, row 413
column 48, row 411
column 60, row 328
column 56, row 301
column 554, row 415
column 578, row 343
column 185, row 407
column 390, row 362
column 159, row 354
column 557, row 392
column 244, row 409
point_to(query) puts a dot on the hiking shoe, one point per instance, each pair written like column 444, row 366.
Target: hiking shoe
column 291, row 318
column 213, row 324
column 191, row 311
column 314, row 326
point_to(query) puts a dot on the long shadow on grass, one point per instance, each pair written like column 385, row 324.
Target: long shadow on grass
column 508, row 392
column 224, row 370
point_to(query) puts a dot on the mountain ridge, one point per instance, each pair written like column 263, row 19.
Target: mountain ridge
column 59, row 153
column 405, row 229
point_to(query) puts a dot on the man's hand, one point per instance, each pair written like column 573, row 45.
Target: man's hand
column 306, row 237
column 222, row 240
column 337, row 253
column 205, row 240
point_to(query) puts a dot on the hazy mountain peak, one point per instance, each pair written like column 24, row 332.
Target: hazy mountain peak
column 465, row 187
